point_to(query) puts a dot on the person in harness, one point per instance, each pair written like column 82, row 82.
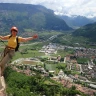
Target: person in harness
column 11, row 46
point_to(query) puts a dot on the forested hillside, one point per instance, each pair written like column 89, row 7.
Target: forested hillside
column 88, row 31
column 27, row 16
column 35, row 85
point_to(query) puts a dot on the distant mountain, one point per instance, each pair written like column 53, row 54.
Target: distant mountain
column 27, row 16
column 94, row 19
column 88, row 31
column 76, row 21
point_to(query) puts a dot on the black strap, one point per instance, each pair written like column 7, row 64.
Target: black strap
column 17, row 39
column 10, row 36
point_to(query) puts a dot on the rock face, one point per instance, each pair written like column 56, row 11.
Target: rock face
column 2, row 86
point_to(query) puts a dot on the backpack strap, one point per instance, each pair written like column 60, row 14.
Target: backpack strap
column 17, row 47
column 17, row 39
column 10, row 36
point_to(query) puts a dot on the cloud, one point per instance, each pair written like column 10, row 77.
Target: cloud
column 64, row 7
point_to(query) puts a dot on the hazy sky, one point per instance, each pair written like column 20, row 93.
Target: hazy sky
column 64, row 7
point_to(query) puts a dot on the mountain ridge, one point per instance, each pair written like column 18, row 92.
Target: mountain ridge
column 28, row 16
column 76, row 21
